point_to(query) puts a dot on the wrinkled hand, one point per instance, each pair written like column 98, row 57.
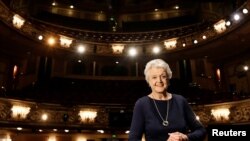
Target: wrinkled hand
column 177, row 136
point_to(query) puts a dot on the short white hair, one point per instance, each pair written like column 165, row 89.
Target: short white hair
column 157, row 63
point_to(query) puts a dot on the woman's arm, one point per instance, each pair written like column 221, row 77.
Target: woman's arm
column 137, row 124
column 197, row 130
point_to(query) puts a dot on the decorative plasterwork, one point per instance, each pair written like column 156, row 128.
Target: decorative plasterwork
column 57, row 114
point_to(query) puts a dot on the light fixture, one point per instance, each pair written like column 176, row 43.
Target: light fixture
column 5, row 138
column 204, row 37
column 220, row 26
column 117, row 48
column 127, row 132
column 53, row 3
column 65, row 41
column 44, row 117
column 52, row 138
column 66, row 130
column 15, row 71
column 221, row 114
column 236, row 17
column 20, row 112
column 88, row 115
column 132, row 52
column 40, row 37
column 19, row 128
column 244, row 11
column 184, row 44
column 18, row 21
column 195, row 41
column 176, row 7
column 170, row 43
column 51, row 41
column 100, row 131
column 156, row 50
column 245, row 68
column 81, row 49
column 218, row 74
column 228, row 23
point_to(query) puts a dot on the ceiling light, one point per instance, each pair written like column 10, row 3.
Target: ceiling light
column 204, row 37
column 236, row 17
column 228, row 23
column 245, row 68
column 51, row 41
column 40, row 37
column 244, row 11
column 156, row 49
column 55, row 130
column 66, row 130
column 132, row 52
column 81, row 49
column 19, row 128
column 100, row 131
column 44, row 117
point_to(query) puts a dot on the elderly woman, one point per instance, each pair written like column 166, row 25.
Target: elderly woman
column 162, row 116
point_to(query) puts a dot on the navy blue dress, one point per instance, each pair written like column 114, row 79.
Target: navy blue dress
column 181, row 118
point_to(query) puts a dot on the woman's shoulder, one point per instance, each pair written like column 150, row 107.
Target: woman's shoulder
column 142, row 100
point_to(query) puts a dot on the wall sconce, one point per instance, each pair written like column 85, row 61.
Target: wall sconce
column 220, row 26
column 221, row 114
column 65, row 41
column 15, row 71
column 117, row 48
column 20, row 112
column 17, row 21
column 170, row 43
column 88, row 115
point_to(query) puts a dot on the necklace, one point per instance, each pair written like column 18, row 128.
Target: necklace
column 164, row 122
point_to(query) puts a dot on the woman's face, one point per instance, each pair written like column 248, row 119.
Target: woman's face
column 158, row 80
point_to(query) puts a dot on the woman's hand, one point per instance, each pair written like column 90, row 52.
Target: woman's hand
column 177, row 136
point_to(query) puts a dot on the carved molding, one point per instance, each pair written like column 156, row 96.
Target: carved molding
column 239, row 113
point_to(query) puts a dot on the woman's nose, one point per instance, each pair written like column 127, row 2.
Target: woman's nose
column 159, row 79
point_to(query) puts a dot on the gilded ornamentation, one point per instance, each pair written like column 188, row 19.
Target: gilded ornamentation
column 241, row 113
column 4, row 111
column 57, row 114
